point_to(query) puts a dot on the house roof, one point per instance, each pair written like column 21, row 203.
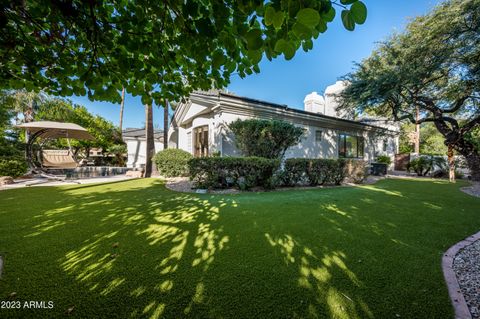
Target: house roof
column 219, row 94
column 139, row 133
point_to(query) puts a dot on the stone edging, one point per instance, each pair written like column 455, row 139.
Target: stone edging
column 456, row 295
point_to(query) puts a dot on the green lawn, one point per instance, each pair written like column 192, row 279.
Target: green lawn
column 363, row 252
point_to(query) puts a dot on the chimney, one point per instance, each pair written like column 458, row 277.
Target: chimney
column 331, row 99
column 314, row 103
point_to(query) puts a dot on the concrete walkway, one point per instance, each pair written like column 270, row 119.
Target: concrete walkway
column 38, row 182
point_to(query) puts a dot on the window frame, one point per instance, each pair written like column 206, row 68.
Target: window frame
column 320, row 132
column 342, row 144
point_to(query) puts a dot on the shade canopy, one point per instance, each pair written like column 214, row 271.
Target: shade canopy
column 57, row 130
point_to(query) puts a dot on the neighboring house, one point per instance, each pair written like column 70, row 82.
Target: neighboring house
column 136, row 145
column 200, row 126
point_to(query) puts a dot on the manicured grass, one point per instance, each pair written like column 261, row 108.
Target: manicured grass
column 135, row 249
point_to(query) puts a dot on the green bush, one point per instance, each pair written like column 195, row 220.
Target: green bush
column 13, row 167
column 384, row 159
column 313, row 171
column 424, row 164
column 294, row 171
column 265, row 138
column 356, row 170
column 241, row 172
column 339, row 171
column 172, row 162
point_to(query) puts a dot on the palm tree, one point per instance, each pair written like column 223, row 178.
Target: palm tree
column 122, row 105
column 165, row 125
column 25, row 103
column 150, row 145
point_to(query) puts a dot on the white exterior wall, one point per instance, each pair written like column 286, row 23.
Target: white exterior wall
column 222, row 140
column 136, row 149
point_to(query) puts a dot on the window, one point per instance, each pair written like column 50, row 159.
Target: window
column 350, row 146
column 200, row 136
column 318, row 136
column 385, row 145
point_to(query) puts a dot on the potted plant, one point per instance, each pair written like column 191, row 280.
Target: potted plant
column 381, row 165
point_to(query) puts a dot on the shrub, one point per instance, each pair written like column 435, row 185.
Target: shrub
column 313, row 171
column 265, row 138
column 384, row 159
column 172, row 162
column 294, row 171
column 241, row 172
column 13, row 167
column 424, row 164
column 338, row 172
column 356, row 170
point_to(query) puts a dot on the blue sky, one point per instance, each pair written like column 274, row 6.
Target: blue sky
column 287, row 82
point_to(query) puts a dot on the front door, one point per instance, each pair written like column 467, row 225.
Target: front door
column 200, row 141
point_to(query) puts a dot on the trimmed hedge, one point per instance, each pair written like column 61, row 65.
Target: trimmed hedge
column 357, row 170
column 172, row 162
column 241, row 172
column 313, row 171
column 13, row 167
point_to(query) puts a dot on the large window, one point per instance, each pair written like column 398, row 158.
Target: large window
column 350, row 146
column 200, row 141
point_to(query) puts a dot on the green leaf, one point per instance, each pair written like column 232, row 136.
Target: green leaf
column 329, row 15
column 218, row 59
column 285, row 47
column 307, row 45
column 322, row 27
column 278, row 20
column 348, row 1
column 254, row 39
column 255, row 56
column 269, row 14
column 358, row 12
column 308, row 17
column 347, row 20
column 301, row 31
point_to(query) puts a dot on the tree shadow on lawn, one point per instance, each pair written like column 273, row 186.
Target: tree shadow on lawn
column 137, row 249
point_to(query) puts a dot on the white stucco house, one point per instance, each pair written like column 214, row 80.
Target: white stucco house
column 136, row 145
column 200, row 126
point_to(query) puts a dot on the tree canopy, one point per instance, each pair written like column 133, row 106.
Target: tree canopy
column 14, row 104
column 434, row 66
column 155, row 49
column 265, row 138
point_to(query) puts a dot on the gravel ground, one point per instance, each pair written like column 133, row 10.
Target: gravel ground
column 184, row 185
column 473, row 190
column 467, row 268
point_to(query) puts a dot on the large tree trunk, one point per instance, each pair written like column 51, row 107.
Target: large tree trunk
column 417, row 132
column 451, row 164
column 473, row 162
column 150, row 147
column 165, row 125
column 471, row 155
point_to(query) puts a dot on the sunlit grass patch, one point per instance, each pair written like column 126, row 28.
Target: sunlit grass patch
column 136, row 249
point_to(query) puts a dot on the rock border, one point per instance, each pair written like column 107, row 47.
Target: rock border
column 184, row 185
column 472, row 190
column 458, row 300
